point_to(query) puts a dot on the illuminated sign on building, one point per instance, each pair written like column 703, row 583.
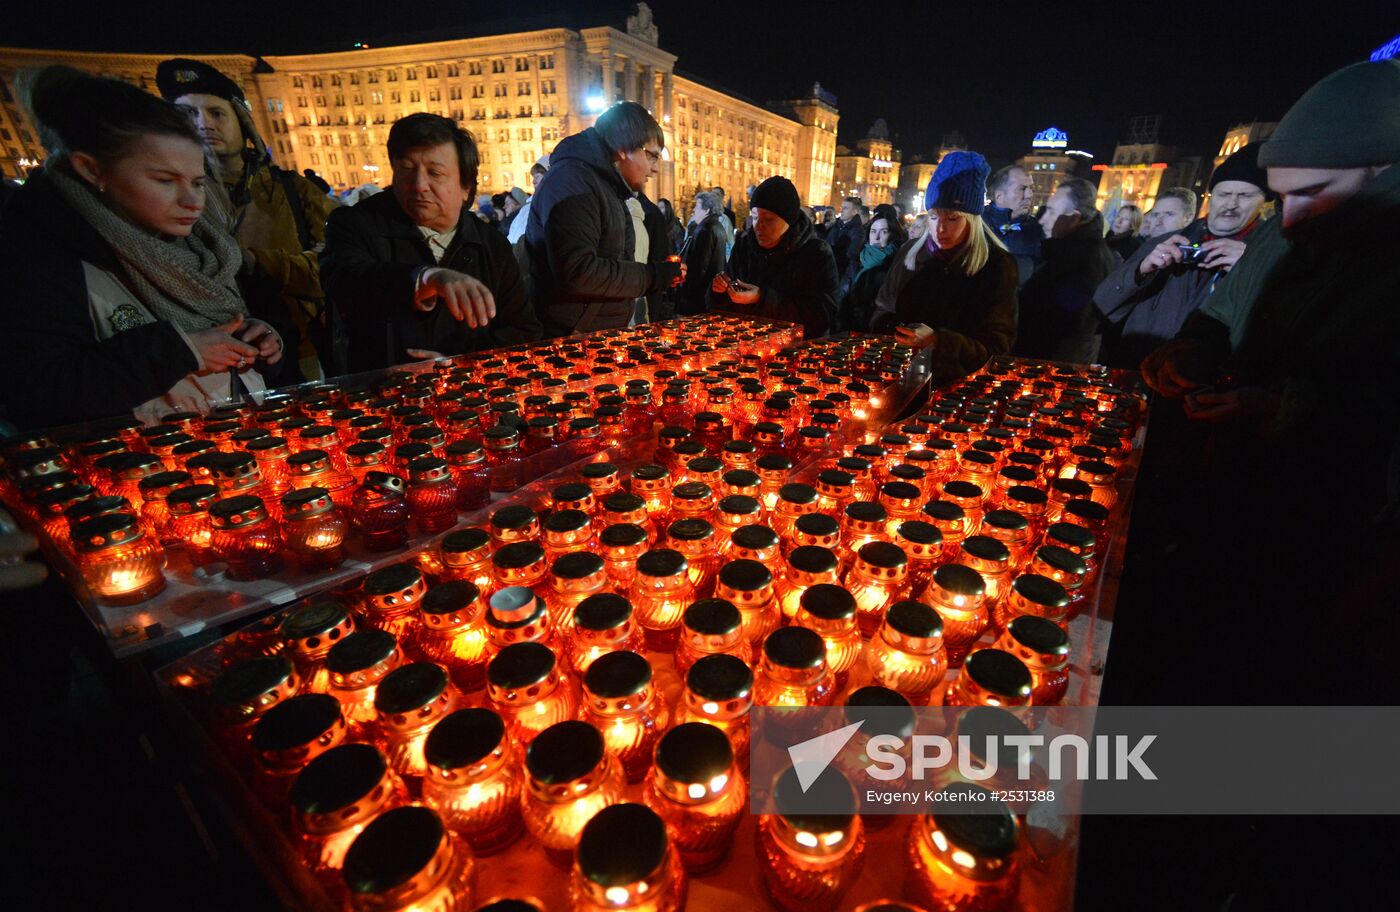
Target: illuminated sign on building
column 1052, row 138
column 1388, row 50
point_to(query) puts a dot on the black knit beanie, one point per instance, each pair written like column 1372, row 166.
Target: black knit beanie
column 778, row 196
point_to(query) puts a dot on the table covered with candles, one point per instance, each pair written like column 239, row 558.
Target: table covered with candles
column 535, row 684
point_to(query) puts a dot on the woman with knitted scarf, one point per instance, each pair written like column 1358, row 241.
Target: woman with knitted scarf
column 118, row 276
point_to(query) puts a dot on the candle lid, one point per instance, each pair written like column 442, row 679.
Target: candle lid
column 882, row 555
column 162, row 483
column 989, row 831
column 360, row 651
column 465, row 541
column 106, row 530
column 712, row 617
column 704, row 465
column 741, row 447
column 690, row 530
column 651, row 471
column 1000, row 672
column 1040, row 590
column 945, row 511
column 899, row 490
column 813, row 559
column 1071, row 535
column 428, row 469
column 337, row 779
column 393, row 849
column 514, row 606
column 598, row 470
column 366, row 452
column 964, row 490
column 513, row 518
column 741, row 478
column 754, row 538
column 410, row 687
column 745, row 575
column 577, row 565
column 572, row 492
column 720, row 677
column 621, row 845
column 1006, row 520
column 518, row 555
column 313, row 620
column 662, row 562
column 1062, row 559
column 692, row 490
column 247, row 682
column 828, row 602
column 1041, row 636
column 694, row 753
column 464, row 738
column 1090, row 511
column 306, row 502
column 623, row 535
column 520, row 665
column 915, row 619
column 617, row 674
column 602, row 611
column 191, row 498
column 960, row 579
column 623, row 502
column 739, row 505
column 880, row 711
column 1072, row 488
column 866, row 511
column 797, row 493
column 564, row 752
column 795, row 647
column 386, row 482
column 830, row 790
column 917, row 532
column 774, row 462
column 853, row 465
column 296, row 722
column 986, row 548
column 391, row 579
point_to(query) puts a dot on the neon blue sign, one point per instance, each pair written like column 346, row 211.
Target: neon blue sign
column 1388, row 50
column 1053, row 138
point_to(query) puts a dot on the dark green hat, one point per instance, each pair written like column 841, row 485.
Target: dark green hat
column 1350, row 119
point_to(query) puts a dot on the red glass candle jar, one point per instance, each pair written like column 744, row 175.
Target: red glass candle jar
column 773, row 470
column 907, row 655
column 238, row 474
column 314, row 529
column 380, row 511
column 602, row 623
column 1011, row 529
column 959, row 595
column 965, row 860
column 748, row 585
column 135, row 468
column 990, row 677
column 364, row 457
column 901, row 501
column 652, row 483
column 243, row 694
column 622, row 544
column 1034, row 595
column 333, row 799
column 190, row 528
column 810, row 861
column 514, row 524
column 575, row 495
column 516, row 615
column 406, row 861
column 624, row 508
column 314, row 468
column 659, row 593
column 793, row 501
column 992, row 560
column 288, row 737
column 526, row 685
column 602, row 478
column 432, row 495
column 808, row 565
column 467, row 461
column 712, row 626
column 503, row 458
column 355, row 666
column 570, row 777
column 1064, row 567
column 794, row 670
column 739, row 456
column 952, row 523
column 576, row 576
column 568, row 531
column 389, row 599
column 695, row 539
column 524, row 564
column 466, row 555
column 695, row 787
column 922, row 543
column 1044, row 648
column 830, row 612
column 877, row 579
column 733, row 512
column 452, row 632
column 309, row 631
column 625, row 861
column 119, row 562
column 155, row 512
column 409, row 702
column 835, row 489
column 245, row 537
column 719, row 692
column 473, row 779
column 52, row 506
column 620, row 699
column 862, row 522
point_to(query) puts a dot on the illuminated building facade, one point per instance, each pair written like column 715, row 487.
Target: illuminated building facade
column 1050, row 163
column 871, row 172
column 914, row 176
column 518, row 94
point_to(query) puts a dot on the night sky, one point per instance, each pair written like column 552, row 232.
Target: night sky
column 926, row 67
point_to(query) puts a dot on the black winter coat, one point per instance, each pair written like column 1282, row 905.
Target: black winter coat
column 53, row 369
column 846, row 239
column 1057, row 302
column 580, row 240
column 703, row 253
column 975, row 316
column 797, row 279
column 370, row 269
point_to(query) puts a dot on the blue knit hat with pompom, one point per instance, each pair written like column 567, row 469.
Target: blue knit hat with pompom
column 960, row 183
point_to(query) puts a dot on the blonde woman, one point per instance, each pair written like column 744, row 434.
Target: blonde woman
column 953, row 290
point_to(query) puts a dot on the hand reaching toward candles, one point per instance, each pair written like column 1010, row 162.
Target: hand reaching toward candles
column 744, row 293
column 15, row 546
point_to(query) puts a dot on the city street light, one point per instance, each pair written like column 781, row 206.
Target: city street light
column 595, row 103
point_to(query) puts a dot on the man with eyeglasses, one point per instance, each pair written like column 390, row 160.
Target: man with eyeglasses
column 597, row 246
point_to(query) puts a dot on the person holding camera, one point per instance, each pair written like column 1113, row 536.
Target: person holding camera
column 1147, row 300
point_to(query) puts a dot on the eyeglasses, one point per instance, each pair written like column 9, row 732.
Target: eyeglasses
column 653, row 157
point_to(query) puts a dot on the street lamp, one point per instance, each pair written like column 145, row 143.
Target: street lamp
column 373, row 171
column 595, row 102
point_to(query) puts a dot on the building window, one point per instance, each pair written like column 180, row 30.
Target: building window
column 393, row 76
column 354, row 79
column 547, row 87
column 432, row 72
column 547, row 110
column 376, row 97
column 310, row 139
column 526, row 134
column 522, row 64
column 330, row 158
column 340, row 101
column 478, row 113
column 547, row 62
column 500, row 90
column 498, row 66
column 434, row 95
column 358, row 99
column 395, row 97
column 522, row 88
column 315, row 82
column 505, row 158
column 372, row 79
column 474, row 68
column 296, row 82
column 457, row 114
column 478, row 91
column 301, row 101
column 527, row 111
column 315, row 159
column 411, row 73
column 503, row 136
column 507, row 179
column 415, row 96
column 455, row 93
column 335, row 80
column 452, row 69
